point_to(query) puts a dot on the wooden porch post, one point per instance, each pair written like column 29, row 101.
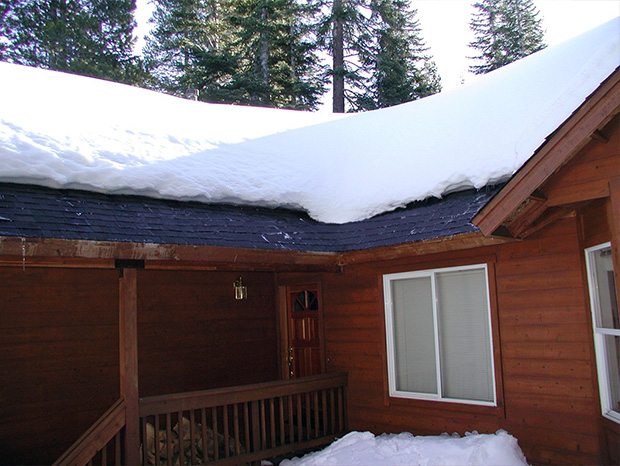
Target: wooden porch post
column 128, row 351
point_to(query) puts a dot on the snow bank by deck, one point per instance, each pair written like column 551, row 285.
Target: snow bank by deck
column 364, row 449
column 66, row 131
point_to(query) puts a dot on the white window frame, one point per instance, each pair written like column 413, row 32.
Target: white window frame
column 599, row 336
column 389, row 327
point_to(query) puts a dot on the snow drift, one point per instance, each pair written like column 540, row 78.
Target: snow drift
column 65, row 131
column 364, row 449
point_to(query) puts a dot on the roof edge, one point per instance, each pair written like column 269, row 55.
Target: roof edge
column 597, row 110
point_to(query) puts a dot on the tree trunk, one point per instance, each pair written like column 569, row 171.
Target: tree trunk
column 338, row 57
column 261, row 68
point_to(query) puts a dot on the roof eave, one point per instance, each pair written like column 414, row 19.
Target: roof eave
column 596, row 111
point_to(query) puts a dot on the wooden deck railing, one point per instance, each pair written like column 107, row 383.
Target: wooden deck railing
column 101, row 444
column 244, row 424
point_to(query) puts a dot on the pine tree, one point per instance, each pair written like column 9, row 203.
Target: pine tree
column 253, row 52
column 185, row 32
column 505, row 31
column 345, row 33
column 91, row 38
column 278, row 64
column 400, row 69
column 378, row 55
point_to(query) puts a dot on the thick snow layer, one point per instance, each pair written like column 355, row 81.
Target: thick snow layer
column 363, row 448
column 60, row 130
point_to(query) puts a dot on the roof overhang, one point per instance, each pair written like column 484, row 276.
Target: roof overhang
column 519, row 208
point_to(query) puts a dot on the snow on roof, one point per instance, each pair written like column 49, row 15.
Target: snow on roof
column 61, row 130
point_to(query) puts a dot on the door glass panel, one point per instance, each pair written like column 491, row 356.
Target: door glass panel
column 306, row 301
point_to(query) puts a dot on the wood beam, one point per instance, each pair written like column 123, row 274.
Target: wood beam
column 43, row 252
column 538, row 195
column 529, row 212
column 547, row 219
column 65, row 262
column 599, row 136
column 449, row 243
column 128, row 352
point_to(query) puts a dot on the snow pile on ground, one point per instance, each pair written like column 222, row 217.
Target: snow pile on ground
column 66, row 131
column 364, row 449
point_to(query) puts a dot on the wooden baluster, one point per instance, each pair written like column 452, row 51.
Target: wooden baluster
column 205, row 446
column 255, row 426
column 169, row 438
column 282, row 432
column 192, row 434
column 332, row 409
column 345, row 423
column 263, row 427
column 142, row 422
column 117, row 448
column 300, row 428
column 225, row 428
column 181, row 444
column 272, row 422
column 157, row 449
column 216, row 441
column 340, row 410
column 316, row 414
column 324, row 412
column 291, row 420
column 308, row 417
column 236, row 429
column 104, row 455
column 246, row 419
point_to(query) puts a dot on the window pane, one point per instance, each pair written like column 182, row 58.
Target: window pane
column 612, row 353
column 607, row 312
column 414, row 340
column 464, row 335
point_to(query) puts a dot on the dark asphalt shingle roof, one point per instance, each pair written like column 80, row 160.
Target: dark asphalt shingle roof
column 38, row 212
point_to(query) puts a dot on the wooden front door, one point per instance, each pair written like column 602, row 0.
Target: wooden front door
column 305, row 331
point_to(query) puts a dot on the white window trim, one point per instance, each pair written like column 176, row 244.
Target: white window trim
column 599, row 337
column 389, row 328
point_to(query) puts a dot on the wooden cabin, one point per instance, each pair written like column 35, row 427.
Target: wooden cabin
column 122, row 313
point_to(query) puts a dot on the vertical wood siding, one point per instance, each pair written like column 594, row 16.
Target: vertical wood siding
column 193, row 334
column 58, row 358
column 550, row 398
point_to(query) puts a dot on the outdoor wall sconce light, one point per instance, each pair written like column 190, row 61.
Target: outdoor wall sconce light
column 241, row 291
